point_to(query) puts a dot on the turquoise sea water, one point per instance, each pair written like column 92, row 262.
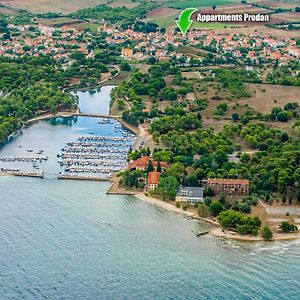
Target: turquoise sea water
column 69, row 240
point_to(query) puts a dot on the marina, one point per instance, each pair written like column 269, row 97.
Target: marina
column 74, row 147
column 83, row 156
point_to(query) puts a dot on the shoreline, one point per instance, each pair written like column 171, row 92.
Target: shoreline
column 51, row 116
column 217, row 231
column 247, row 238
column 172, row 208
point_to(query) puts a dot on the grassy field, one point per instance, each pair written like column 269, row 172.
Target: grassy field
column 198, row 4
column 284, row 4
column 120, row 3
column 163, row 16
column 58, row 6
column 263, row 99
column 8, row 11
column 57, row 21
column 260, row 29
column 211, row 25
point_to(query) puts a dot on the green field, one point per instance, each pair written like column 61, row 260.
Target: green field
column 199, row 3
column 211, row 25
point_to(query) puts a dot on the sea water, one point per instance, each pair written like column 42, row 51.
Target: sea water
column 69, row 240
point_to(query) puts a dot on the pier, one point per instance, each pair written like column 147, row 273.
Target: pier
column 75, row 177
column 23, row 174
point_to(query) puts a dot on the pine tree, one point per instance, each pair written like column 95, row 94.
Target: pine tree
column 158, row 167
column 150, row 167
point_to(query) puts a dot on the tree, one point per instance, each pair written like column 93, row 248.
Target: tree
column 234, row 220
column 207, row 201
column 267, row 234
column 150, row 167
column 235, row 117
column 222, row 199
column 283, row 116
column 215, row 208
column 284, row 198
column 125, row 66
column 168, row 187
column 151, row 60
column 158, row 169
column 245, row 208
column 203, row 210
column 287, row 227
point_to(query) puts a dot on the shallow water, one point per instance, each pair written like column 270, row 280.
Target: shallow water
column 93, row 102
column 69, row 240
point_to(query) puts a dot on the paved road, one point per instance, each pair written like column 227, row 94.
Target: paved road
column 140, row 140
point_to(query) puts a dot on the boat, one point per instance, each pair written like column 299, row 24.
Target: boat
column 29, row 150
column 203, row 233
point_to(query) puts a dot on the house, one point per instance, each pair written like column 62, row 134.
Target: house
column 127, row 52
column 230, row 187
column 142, row 164
column 190, row 195
column 153, row 180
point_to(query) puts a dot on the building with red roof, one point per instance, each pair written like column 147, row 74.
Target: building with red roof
column 153, row 180
column 142, row 164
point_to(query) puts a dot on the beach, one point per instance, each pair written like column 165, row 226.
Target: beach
column 216, row 232
column 172, row 208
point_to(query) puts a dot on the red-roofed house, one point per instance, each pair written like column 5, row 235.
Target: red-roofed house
column 153, row 180
column 142, row 163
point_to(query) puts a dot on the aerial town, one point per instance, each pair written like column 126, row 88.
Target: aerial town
column 147, row 153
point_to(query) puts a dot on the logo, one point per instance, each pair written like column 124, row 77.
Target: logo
column 184, row 22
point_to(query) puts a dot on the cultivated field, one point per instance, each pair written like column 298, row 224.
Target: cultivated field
column 59, row 21
column 248, row 30
column 59, row 6
column 286, row 17
column 120, row 3
column 8, row 11
column 197, row 4
column 163, row 16
column 284, row 4
column 237, row 9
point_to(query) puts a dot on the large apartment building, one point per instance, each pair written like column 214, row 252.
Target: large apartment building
column 230, row 187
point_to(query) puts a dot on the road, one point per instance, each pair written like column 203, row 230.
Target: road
column 140, row 140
